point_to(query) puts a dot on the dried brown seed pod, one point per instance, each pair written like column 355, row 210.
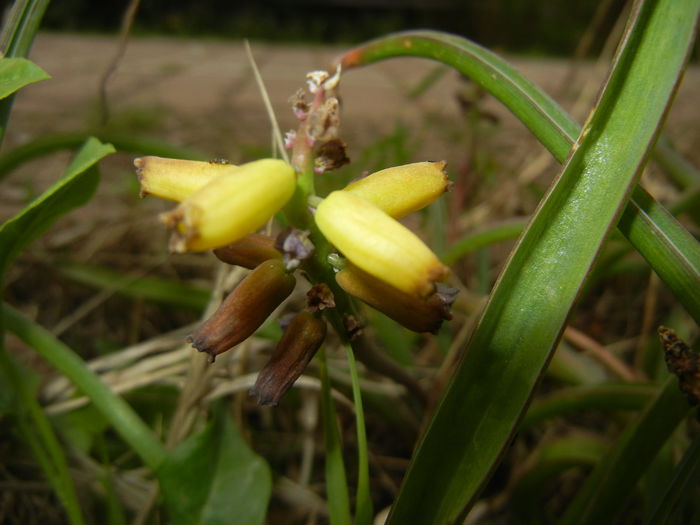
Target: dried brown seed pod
column 300, row 341
column 249, row 252
column 245, row 308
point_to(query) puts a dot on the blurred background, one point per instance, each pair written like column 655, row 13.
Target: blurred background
column 540, row 27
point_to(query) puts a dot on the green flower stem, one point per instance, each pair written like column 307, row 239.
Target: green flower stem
column 363, row 505
column 117, row 411
column 336, row 481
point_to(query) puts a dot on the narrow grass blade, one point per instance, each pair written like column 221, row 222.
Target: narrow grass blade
column 609, row 487
column 605, row 397
column 36, row 430
column 487, row 236
column 363, row 498
column 336, row 480
column 532, row 298
column 687, row 475
column 529, row 494
column 122, row 417
column 672, row 243
column 171, row 293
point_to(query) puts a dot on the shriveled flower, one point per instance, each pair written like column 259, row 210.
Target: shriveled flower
column 244, row 309
column 231, row 206
column 415, row 313
column 300, row 341
column 401, row 190
column 378, row 244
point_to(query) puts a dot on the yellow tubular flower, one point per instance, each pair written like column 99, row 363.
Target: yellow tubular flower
column 231, row 206
column 379, row 245
column 401, row 190
column 175, row 179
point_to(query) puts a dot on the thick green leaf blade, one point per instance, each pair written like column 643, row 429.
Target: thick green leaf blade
column 675, row 249
column 214, row 478
column 532, row 298
column 15, row 73
column 75, row 187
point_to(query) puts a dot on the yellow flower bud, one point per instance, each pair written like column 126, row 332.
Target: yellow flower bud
column 175, row 179
column 231, row 206
column 378, row 244
column 401, row 190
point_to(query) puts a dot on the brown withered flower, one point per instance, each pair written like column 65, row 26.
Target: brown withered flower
column 244, row 309
column 300, row 341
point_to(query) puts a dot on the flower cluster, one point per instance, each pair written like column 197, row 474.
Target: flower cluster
column 221, row 206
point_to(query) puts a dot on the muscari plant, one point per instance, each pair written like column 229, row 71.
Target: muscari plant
column 349, row 244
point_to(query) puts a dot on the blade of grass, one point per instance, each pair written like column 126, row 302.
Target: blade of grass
column 491, row 234
column 363, row 499
column 336, row 481
column 686, row 477
column 609, row 487
column 606, row 397
column 37, row 431
column 122, row 417
column 532, row 298
column 167, row 292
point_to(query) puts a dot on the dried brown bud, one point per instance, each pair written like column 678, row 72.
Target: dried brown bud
column 300, row 341
column 682, row 361
column 245, row 309
column 319, row 297
column 249, row 252
column 417, row 314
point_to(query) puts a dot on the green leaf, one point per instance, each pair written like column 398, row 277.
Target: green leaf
column 112, row 407
column 35, row 429
column 75, row 187
column 336, row 481
column 686, row 477
column 605, row 397
column 167, row 292
column 609, row 487
column 529, row 305
column 214, row 478
column 15, row 73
